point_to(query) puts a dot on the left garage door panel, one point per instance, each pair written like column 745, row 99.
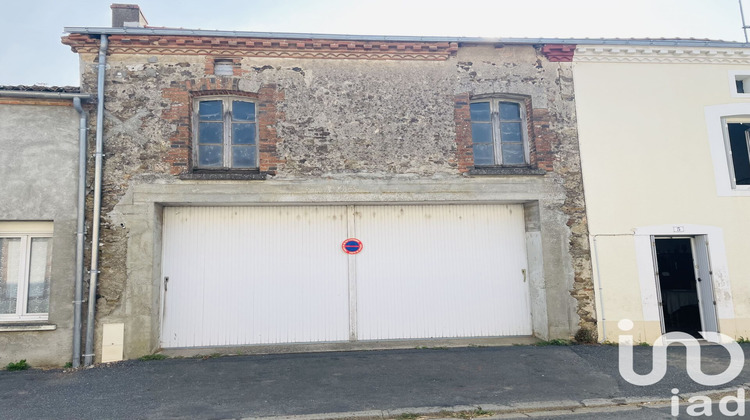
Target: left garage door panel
column 232, row 280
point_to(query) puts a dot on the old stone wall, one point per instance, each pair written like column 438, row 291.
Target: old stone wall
column 373, row 117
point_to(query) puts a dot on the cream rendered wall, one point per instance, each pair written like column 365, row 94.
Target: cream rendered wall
column 647, row 163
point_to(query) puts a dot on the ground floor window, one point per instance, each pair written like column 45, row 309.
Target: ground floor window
column 25, row 267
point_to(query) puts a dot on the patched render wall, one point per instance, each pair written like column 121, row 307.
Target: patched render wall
column 38, row 182
column 342, row 130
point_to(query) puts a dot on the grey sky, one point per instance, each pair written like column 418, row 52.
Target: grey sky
column 33, row 54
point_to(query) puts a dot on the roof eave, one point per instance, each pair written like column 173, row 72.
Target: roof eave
column 44, row 95
column 385, row 38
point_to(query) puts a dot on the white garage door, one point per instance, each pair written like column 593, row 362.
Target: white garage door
column 442, row 271
column 266, row 275
column 254, row 275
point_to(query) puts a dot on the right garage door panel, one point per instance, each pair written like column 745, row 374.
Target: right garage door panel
column 441, row 271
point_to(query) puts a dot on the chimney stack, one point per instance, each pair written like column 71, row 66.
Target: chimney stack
column 127, row 16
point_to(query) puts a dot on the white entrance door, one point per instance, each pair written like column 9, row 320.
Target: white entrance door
column 705, row 284
column 685, row 284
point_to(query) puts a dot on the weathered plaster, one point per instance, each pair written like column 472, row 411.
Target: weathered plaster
column 39, row 171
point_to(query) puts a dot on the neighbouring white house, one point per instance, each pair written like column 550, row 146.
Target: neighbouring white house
column 663, row 131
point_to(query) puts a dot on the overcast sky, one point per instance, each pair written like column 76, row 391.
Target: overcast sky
column 32, row 52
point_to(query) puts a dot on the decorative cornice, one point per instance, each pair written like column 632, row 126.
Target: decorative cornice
column 559, row 52
column 666, row 55
column 259, row 47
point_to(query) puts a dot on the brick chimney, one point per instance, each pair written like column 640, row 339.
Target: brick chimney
column 127, row 15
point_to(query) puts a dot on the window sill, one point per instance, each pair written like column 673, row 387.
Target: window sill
column 506, row 170
column 219, row 175
column 26, row 326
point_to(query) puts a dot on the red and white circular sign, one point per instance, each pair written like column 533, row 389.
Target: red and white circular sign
column 352, row 246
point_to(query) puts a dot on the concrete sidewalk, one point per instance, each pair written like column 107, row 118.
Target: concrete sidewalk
column 345, row 384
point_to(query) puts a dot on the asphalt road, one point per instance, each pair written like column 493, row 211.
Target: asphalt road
column 647, row 413
column 294, row 384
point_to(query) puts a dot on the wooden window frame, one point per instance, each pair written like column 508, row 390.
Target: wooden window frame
column 227, row 121
column 496, row 123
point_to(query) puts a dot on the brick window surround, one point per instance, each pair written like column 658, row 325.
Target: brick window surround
column 181, row 95
column 541, row 156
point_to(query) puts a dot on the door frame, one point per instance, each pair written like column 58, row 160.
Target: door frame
column 708, row 322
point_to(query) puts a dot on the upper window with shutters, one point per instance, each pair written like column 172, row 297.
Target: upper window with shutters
column 499, row 132
column 225, row 133
column 737, row 140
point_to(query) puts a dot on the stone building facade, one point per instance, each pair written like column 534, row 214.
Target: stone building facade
column 349, row 125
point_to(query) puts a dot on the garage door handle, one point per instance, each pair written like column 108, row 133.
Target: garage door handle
column 523, row 271
column 166, row 280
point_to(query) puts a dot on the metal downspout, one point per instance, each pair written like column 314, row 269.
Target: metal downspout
column 89, row 355
column 80, row 231
column 601, row 293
